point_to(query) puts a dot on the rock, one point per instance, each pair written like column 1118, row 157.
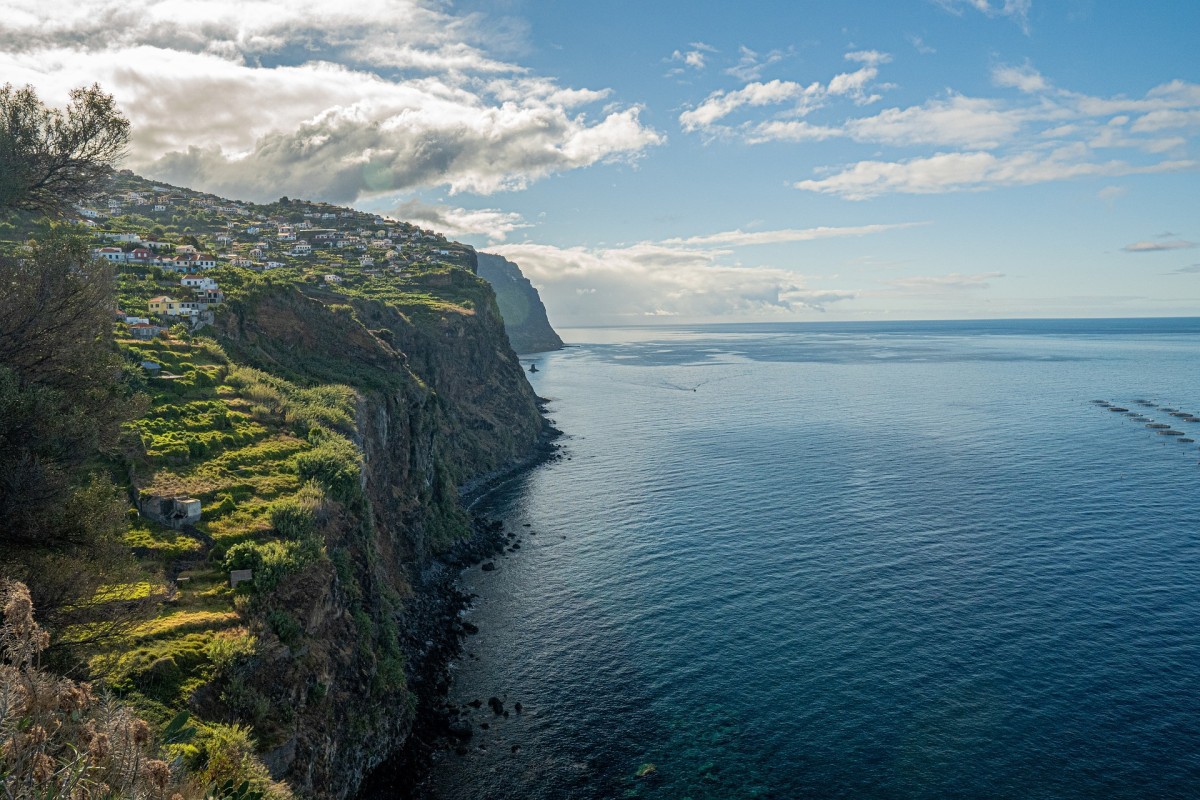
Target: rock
column 518, row 708
column 489, row 566
column 484, row 725
column 516, row 747
column 476, row 703
column 470, row 629
column 496, row 706
column 460, row 729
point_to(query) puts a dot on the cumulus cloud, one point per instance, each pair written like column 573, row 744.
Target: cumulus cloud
column 684, row 277
column 1157, row 247
column 802, row 98
column 721, row 104
column 648, row 279
column 493, row 223
column 1025, row 78
column 696, row 57
column 946, row 172
column 377, row 96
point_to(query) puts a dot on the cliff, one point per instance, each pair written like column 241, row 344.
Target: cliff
column 440, row 400
column 524, row 315
column 320, row 414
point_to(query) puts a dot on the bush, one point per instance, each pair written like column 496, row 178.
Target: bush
column 335, row 464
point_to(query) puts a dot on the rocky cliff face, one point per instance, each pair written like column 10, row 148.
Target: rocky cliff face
column 442, row 400
column 524, row 315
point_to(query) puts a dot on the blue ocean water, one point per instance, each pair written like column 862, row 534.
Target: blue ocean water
column 859, row 560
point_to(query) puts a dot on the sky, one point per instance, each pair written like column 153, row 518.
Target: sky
column 683, row 162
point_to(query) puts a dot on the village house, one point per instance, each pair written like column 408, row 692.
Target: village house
column 301, row 249
column 163, row 305
column 333, row 280
column 144, row 330
column 366, row 261
column 114, row 254
column 197, row 282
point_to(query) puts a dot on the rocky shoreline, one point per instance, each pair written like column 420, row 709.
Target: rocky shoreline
column 434, row 631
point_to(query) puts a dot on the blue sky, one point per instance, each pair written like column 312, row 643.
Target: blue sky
column 695, row 161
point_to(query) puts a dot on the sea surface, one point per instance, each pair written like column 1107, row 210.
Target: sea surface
column 847, row 560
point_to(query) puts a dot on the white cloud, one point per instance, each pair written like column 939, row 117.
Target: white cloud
column 696, row 58
column 947, row 172
column 750, row 65
column 790, row 131
column 605, row 285
column 454, row 222
column 1025, row 78
column 721, row 104
column 804, row 97
column 1111, row 193
column 686, row 277
column 740, row 238
column 963, row 121
column 871, row 58
column 206, row 114
column 1016, row 10
column 1158, row 247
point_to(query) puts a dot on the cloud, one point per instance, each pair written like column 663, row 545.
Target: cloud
column 647, row 280
column 804, row 97
column 454, row 222
column 963, row 121
column 247, row 99
column 947, row 172
column 1157, row 247
column 1111, row 193
column 919, row 45
column 721, row 104
column 696, row 58
column 682, row 277
column 1016, row 10
column 750, row 66
column 944, row 283
column 871, row 58
column 739, row 238
column 1025, row 78
column 1190, row 269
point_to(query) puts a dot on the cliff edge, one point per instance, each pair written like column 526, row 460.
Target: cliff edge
column 524, row 314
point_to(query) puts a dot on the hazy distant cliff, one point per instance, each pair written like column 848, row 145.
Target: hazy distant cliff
column 524, row 315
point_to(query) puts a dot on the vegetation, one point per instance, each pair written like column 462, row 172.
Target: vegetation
column 97, row 422
column 50, row 159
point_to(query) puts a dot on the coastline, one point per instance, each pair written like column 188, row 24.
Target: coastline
column 435, row 633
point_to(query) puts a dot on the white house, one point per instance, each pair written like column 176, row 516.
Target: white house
column 332, row 279
column 114, row 254
column 198, row 282
column 301, row 249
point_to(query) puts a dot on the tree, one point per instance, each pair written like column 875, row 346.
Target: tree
column 52, row 159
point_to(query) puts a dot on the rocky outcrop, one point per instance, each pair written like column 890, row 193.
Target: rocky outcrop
column 524, row 315
column 354, row 645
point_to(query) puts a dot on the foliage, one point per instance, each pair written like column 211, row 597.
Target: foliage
column 51, row 159
column 58, row 739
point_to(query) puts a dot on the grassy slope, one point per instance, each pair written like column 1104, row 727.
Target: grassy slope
column 247, row 443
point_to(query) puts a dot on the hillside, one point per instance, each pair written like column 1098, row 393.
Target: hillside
column 311, row 414
column 524, row 314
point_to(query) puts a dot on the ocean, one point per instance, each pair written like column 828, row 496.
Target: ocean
column 847, row 560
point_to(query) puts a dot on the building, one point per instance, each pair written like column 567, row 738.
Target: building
column 174, row 512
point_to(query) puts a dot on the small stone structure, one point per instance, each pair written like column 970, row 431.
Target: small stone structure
column 174, row 512
column 237, row 576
